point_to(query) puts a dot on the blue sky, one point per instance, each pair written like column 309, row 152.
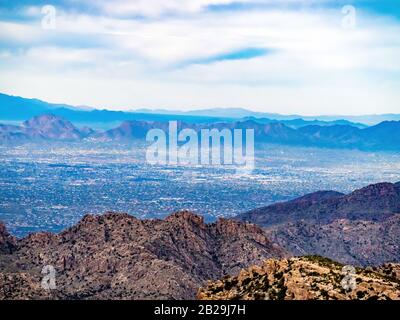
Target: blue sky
column 288, row 56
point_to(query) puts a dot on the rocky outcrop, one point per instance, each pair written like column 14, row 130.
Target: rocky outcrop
column 357, row 242
column 305, row 278
column 116, row 256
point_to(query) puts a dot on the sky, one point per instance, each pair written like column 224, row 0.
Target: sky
column 290, row 56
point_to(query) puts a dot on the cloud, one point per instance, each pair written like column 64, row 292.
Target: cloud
column 288, row 58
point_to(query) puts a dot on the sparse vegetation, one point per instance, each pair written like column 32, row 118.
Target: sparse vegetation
column 311, row 277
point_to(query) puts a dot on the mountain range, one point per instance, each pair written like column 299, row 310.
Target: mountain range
column 116, row 256
column 361, row 228
column 384, row 136
column 241, row 113
column 13, row 108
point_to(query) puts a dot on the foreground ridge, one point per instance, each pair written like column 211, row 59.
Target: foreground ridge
column 117, row 256
column 305, row 278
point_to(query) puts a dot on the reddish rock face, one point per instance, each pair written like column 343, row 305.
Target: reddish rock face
column 116, row 256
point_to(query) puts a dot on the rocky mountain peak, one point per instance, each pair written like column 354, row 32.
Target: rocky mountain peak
column 118, row 256
column 186, row 217
column 49, row 126
column 44, row 120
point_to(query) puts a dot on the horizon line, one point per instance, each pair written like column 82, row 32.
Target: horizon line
column 149, row 110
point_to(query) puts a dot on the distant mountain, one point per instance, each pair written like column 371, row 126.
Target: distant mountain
column 384, row 136
column 52, row 128
column 242, row 113
column 305, row 278
column 333, row 135
column 116, row 256
column 14, row 108
column 43, row 128
column 298, row 123
column 360, row 228
column 131, row 130
column 274, row 132
column 18, row 108
column 236, row 113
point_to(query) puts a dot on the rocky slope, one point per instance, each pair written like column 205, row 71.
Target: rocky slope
column 358, row 242
column 375, row 202
column 116, row 256
column 360, row 228
column 310, row 277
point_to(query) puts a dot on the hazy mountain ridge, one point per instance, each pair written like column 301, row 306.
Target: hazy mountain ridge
column 300, row 122
column 43, row 128
column 242, row 113
column 384, row 136
column 116, row 256
column 18, row 108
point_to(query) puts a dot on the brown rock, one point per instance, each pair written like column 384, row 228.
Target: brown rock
column 116, row 256
column 310, row 277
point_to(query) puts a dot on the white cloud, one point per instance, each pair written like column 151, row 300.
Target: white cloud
column 153, row 8
column 314, row 65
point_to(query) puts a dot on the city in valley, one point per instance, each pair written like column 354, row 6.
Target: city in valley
column 48, row 188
